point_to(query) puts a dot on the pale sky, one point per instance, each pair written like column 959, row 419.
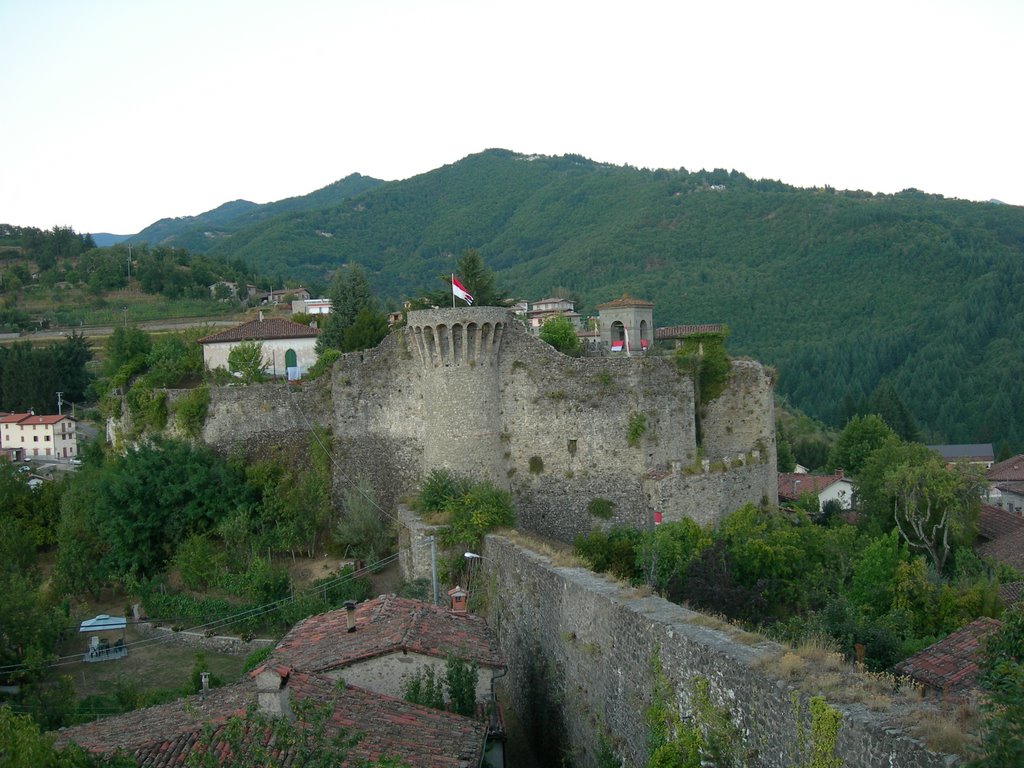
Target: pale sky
column 116, row 114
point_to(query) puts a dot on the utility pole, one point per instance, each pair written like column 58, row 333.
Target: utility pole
column 124, row 311
column 433, row 566
column 129, row 262
column 60, row 404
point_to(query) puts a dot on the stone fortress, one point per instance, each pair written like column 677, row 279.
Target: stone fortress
column 470, row 390
column 473, row 391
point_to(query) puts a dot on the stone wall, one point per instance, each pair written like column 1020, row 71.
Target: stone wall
column 256, row 414
column 579, row 650
column 471, row 391
column 235, row 646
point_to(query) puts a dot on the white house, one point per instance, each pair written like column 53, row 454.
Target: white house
column 837, row 487
column 545, row 309
column 28, row 436
column 289, row 349
column 311, row 306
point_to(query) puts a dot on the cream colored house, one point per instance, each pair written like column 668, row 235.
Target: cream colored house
column 28, row 436
column 289, row 349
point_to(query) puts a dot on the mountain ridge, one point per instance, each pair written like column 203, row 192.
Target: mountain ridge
column 838, row 289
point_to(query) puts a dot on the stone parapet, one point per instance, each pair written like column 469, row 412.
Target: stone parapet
column 579, row 650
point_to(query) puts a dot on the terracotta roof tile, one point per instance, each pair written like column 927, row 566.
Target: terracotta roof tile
column 384, row 625
column 950, row 665
column 1011, row 593
column 625, row 301
column 1012, row 469
column 262, row 330
column 1008, row 548
column 792, row 484
column 31, row 418
column 165, row 735
column 682, row 331
column 994, row 522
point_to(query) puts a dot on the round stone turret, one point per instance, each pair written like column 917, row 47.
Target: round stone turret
column 456, row 337
column 460, row 350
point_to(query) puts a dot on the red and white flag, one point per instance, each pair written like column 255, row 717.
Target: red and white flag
column 459, row 291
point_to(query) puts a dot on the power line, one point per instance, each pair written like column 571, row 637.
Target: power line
column 251, row 612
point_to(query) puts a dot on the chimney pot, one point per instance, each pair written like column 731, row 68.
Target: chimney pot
column 350, row 615
column 459, row 597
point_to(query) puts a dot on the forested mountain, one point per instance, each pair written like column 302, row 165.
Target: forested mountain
column 837, row 289
column 199, row 233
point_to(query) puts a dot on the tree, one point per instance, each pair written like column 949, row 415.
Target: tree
column 560, row 334
column 363, row 528
column 860, row 436
column 934, row 507
column 1002, row 678
column 349, row 294
column 367, row 330
column 886, row 403
column 475, row 276
column 785, row 460
column 245, row 360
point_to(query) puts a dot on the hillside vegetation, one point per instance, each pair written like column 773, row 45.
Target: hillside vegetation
column 838, row 290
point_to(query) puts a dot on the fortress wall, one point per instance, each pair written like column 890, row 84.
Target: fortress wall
column 376, row 414
column 579, row 648
column 255, row 415
column 743, row 416
column 710, row 494
column 470, row 390
column 566, row 433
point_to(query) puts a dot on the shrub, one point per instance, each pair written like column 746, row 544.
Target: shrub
column 612, row 551
column 480, row 509
column 323, row 363
column 190, row 410
column 601, row 508
column 364, row 529
column 636, row 428
column 440, row 489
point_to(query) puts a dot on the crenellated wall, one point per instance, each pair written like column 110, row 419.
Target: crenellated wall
column 470, row 390
column 579, row 652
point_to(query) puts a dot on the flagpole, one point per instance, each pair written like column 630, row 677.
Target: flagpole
column 453, row 290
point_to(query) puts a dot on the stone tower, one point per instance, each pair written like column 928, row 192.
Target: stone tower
column 627, row 324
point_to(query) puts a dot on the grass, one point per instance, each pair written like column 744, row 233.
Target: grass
column 149, row 667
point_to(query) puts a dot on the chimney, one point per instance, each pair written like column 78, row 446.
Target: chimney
column 205, row 677
column 261, row 315
column 839, row 474
column 272, row 692
column 350, row 615
column 458, row 596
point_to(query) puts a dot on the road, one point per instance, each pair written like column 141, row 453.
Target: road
column 173, row 324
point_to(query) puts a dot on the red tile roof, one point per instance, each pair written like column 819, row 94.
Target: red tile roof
column 1011, row 593
column 625, row 301
column 384, row 625
column 792, row 484
column 682, row 331
column 262, row 330
column 1008, row 548
column 31, row 418
column 950, row 665
column 994, row 522
column 165, row 735
column 1012, row 469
